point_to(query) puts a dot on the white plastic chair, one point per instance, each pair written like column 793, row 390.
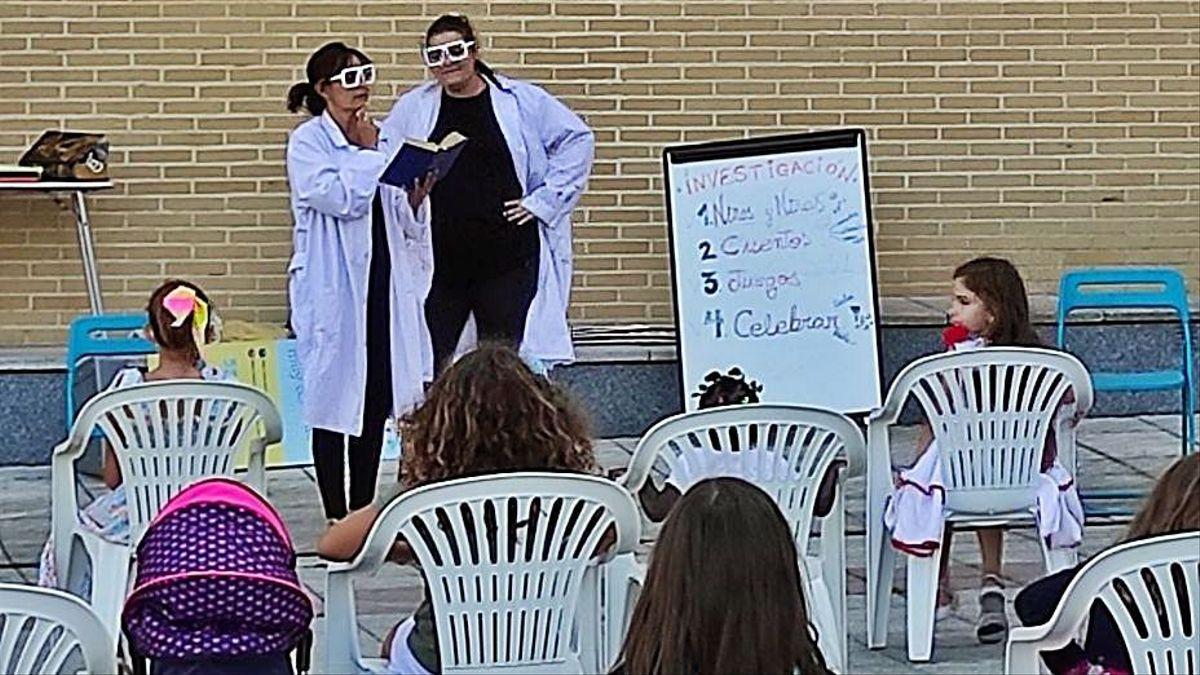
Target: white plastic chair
column 990, row 411
column 1152, row 589
column 610, row 592
column 504, row 558
column 41, row 628
column 165, row 436
column 786, row 450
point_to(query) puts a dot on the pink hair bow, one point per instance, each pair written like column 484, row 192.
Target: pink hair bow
column 183, row 301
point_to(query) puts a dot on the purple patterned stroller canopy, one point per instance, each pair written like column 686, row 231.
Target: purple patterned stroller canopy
column 216, row 577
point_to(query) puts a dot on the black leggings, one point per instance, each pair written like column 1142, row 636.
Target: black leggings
column 500, row 305
column 329, row 447
column 329, row 456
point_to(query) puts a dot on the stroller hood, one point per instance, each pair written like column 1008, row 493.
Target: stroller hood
column 216, row 577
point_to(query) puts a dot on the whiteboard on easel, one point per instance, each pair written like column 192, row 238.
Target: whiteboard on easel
column 773, row 267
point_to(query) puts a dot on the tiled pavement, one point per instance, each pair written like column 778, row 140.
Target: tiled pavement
column 1114, row 452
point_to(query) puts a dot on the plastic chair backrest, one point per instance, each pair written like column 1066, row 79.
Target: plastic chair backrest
column 41, row 629
column 101, row 335
column 990, row 411
column 783, row 449
column 503, row 557
column 1152, row 589
column 168, row 434
column 1136, row 288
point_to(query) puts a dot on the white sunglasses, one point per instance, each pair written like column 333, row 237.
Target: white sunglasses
column 353, row 77
column 450, row 52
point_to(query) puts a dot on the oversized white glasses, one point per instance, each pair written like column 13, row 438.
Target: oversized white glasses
column 449, row 52
column 353, row 77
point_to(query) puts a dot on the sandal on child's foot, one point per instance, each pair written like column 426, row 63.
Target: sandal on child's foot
column 993, row 619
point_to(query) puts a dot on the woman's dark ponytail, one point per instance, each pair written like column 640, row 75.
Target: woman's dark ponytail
column 486, row 71
column 322, row 65
column 304, row 95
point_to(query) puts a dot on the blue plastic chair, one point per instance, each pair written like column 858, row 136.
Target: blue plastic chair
column 101, row 335
column 1086, row 289
column 1153, row 288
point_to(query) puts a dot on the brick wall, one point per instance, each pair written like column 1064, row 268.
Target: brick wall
column 1057, row 133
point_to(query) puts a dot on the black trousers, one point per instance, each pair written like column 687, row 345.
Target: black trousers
column 500, row 305
column 329, row 447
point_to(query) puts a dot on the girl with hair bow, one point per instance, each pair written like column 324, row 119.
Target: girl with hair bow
column 180, row 321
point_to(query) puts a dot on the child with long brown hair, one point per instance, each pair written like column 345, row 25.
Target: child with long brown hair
column 723, row 593
column 1173, row 506
column 487, row 413
column 989, row 307
column 180, row 321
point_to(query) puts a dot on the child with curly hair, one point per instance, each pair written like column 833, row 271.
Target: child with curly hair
column 487, row 413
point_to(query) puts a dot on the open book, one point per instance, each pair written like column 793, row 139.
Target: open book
column 416, row 158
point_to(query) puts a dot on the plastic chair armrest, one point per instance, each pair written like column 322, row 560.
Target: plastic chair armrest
column 886, row 415
column 626, row 577
column 1021, row 655
column 73, row 446
column 879, row 445
column 63, row 505
column 256, row 470
column 342, row 651
column 1026, row 642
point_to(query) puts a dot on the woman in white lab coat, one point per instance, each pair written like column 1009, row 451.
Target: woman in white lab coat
column 501, row 217
column 355, row 302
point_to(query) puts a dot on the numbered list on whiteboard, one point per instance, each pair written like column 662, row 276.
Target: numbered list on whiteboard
column 773, row 275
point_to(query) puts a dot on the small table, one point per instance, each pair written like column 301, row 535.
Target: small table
column 83, row 227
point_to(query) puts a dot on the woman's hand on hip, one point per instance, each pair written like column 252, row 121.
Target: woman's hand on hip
column 517, row 214
column 420, row 190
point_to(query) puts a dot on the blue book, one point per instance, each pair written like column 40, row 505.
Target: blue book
column 417, row 158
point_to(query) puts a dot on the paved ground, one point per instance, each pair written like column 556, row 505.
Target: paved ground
column 1114, row 452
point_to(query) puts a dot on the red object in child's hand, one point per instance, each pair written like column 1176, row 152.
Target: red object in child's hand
column 954, row 335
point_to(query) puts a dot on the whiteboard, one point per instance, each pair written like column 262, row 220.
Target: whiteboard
column 773, row 267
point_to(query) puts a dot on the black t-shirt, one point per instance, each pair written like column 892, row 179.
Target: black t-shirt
column 471, row 237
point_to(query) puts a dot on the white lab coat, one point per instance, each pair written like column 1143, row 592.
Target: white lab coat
column 333, row 183
column 552, row 151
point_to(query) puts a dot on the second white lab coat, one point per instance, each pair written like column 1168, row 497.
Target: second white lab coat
column 333, row 183
column 552, row 151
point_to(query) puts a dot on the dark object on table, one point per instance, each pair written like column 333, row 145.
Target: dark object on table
column 69, row 155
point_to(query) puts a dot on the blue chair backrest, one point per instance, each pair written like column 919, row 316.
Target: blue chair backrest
column 101, row 335
column 1146, row 288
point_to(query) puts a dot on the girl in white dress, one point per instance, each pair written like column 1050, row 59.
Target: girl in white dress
column 180, row 322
